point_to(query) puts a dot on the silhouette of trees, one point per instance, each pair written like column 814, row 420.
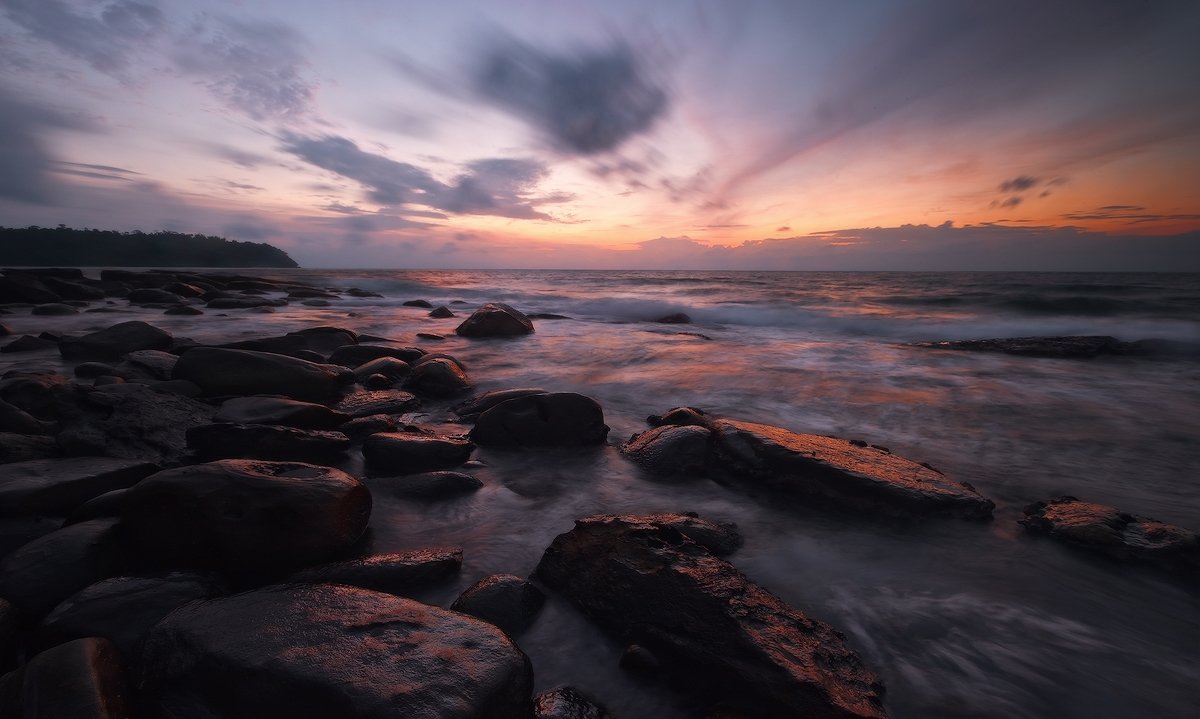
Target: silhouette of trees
column 64, row 246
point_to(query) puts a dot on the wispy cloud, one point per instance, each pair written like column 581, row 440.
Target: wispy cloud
column 104, row 35
column 26, row 161
column 1132, row 214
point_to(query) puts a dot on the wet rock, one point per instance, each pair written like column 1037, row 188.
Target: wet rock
column 106, row 380
column 18, row 531
column 390, row 367
column 430, row 336
column 681, row 416
column 92, row 370
column 58, row 486
column 154, row 364
column 10, row 638
column 441, row 313
column 4, row 330
column 124, row 609
column 293, row 345
column 83, row 679
column 426, row 485
column 322, row 650
column 438, row 377
column 111, row 343
column 183, row 289
column 14, row 288
column 479, row 404
column 133, row 421
column 54, row 309
column 281, row 411
column 835, row 471
column 243, row 303
column 678, row 318
column 719, row 634
column 26, row 447
column 356, row 292
column 363, row 427
column 418, row 303
column 372, row 402
column 220, row 371
column 1063, row 347
column 358, row 355
column 39, row 575
column 670, row 450
column 246, row 518
column 567, row 703
column 150, row 295
column 640, row 661
column 495, row 319
column 98, row 507
column 404, row 574
column 34, row 392
column 186, row 310
column 552, row 419
column 1120, row 535
column 377, row 381
column 266, row 441
column 27, row 343
column 407, row 452
column 507, row 601
column 72, row 290
column 15, row 419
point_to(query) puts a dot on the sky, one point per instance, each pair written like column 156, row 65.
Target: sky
column 703, row 134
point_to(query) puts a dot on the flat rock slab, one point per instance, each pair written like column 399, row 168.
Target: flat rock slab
column 553, row 419
column 842, row 472
column 1065, row 347
column 323, row 650
column 383, row 401
column 220, row 371
column 717, row 632
column 407, row 452
column 57, row 486
column 1120, row 535
column 401, row 573
column 281, row 411
column 266, row 441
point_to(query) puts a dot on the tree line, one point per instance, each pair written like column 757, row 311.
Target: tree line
column 65, row 246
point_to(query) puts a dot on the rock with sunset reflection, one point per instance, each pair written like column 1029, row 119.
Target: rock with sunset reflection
column 495, row 319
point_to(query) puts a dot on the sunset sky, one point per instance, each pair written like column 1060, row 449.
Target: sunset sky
column 839, row 134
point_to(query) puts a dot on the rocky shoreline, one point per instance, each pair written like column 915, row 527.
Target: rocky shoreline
column 183, row 526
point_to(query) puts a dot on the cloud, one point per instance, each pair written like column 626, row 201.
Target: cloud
column 1019, row 184
column 26, row 162
column 100, row 172
column 387, row 181
column 254, row 67
column 104, row 35
column 585, row 104
column 1133, row 214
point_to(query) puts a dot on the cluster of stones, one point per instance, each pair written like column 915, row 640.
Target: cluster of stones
column 178, row 537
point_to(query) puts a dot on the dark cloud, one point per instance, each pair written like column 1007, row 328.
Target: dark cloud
column 254, row 67
column 1019, row 183
column 26, row 162
column 585, row 104
column 104, row 35
column 783, row 228
column 387, row 181
column 1132, row 214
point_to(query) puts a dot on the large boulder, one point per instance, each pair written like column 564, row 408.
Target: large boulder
column 477, row 405
column 58, row 486
column 380, row 401
column 426, row 485
column 281, row 411
column 83, row 679
column 34, row 392
column 266, row 441
column 321, row 650
column 44, row 572
column 409, row 452
column 438, row 377
column 220, row 371
column 112, row 343
column 404, row 574
column 495, row 319
column 719, row 634
column 506, row 600
column 670, row 449
column 247, row 518
column 356, row 355
column 551, row 419
column 1107, row 530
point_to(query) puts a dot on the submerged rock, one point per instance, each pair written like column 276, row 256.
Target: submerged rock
column 1064, row 347
column 320, row 650
column 551, row 419
column 718, row 633
column 1107, row 530
column 495, row 319
column 505, row 600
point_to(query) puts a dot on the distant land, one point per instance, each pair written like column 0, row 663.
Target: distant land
column 65, row 246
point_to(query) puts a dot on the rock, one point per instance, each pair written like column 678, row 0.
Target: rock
column 431, row 336
column 4, row 330
column 358, row 355
column 377, row 381
column 155, row 364
column 132, row 421
column 678, row 318
column 384, row 401
column 55, row 309
column 418, row 303
column 83, row 679
column 107, row 380
column 409, row 453
column 246, row 518
column 363, row 427
column 281, row 411
column 39, row 575
column 546, row 316
column 670, row 450
column 15, row 419
column 438, row 377
column 495, row 319
column 26, row 447
column 111, row 343
column 479, row 404
column 836, row 471
column 98, row 507
column 27, row 343
column 356, row 292
column 505, row 600
column 186, row 310
column 149, row 296
column 10, row 638
column 92, row 370
column 320, row 650
column 25, row 289
column 426, row 485
column 681, row 416
column 34, row 392
column 389, row 367
column 58, row 486
column 1109, row 531
column 441, row 313
column 316, row 303
column 18, row 531
column 1062, row 347
column 243, row 303
column 552, row 419
column 266, row 441
column 291, row 345
column 567, row 703
column 72, row 290
column 220, row 371
column 401, row 573
column 718, row 633
column 184, row 289
column 124, row 609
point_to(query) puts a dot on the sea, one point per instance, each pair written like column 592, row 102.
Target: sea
column 960, row 619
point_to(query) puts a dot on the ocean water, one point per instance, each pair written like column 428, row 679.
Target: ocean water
column 960, row 619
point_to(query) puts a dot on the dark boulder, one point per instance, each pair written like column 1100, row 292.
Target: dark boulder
column 244, row 517
column 28, row 343
column 243, row 303
column 14, row 288
column 363, row 427
column 186, row 310
column 431, row 336
column 670, row 449
column 404, row 574
column 58, row 486
column 281, row 411
column 567, row 703
column 15, row 419
column 39, row 575
column 719, row 634
column 26, row 447
column 1107, row 530
column 441, row 313
column 389, row 367
column 1071, row 347
column 681, row 416
column 266, row 441
column 438, row 377
column 418, row 303
column 409, row 452
column 92, row 370
column 426, row 485
column 72, row 290
column 357, row 355
column 54, row 309
column 10, row 636
column 552, row 419
column 184, row 289
column 150, row 296
column 83, row 679
column 507, row 601
column 34, row 392
column 103, row 505
column 220, row 371
column 151, row 364
column 321, row 650
column 381, row 401
column 477, row 405
column 495, row 319
column 111, row 343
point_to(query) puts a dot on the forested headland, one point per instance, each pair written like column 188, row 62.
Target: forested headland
column 65, row 246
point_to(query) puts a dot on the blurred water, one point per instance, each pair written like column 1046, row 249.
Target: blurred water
column 961, row 620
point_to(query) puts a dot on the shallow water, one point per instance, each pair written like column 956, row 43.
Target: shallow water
column 960, row 619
